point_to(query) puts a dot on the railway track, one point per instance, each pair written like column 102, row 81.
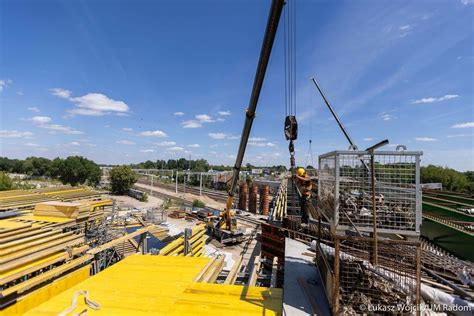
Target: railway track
column 220, row 196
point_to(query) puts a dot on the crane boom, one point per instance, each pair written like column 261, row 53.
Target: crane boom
column 269, row 38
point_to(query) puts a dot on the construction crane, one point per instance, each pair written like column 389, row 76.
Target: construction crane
column 225, row 229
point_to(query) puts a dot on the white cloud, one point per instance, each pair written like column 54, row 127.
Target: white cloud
column 56, row 128
column 387, row 117
column 74, row 144
column 224, row 113
column 194, row 146
column 92, row 104
column 125, row 142
column 433, row 99
column 85, row 112
column 154, row 134
column 405, row 27
column 368, row 139
column 14, row 134
column 62, row 93
column 467, row 2
column 42, row 122
column 34, row 109
column 204, row 118
column 257, row 144
column 31, row 145
column 176, row 149
column 5, row 83
column 233, row 137
column 127, row 129
column 100, row 102
column 460, row 135
column 40, row 119
column 198, row 121
column 463, row 125
column 165, row 144
column 220, row 119
column 257, row 139
column 191, row 124
column 178, row 113
column 425, row 139
column 146, row 150
column 217, row 135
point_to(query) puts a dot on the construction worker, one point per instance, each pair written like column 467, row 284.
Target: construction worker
column 304, row 183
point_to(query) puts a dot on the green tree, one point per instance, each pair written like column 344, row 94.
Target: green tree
column 76, row 170
column 450, row 179
column 36, row 166
column 122, row 179
column 198, row 203
column 248, row 179
column 6, row 182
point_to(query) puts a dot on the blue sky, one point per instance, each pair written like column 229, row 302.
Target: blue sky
column 128, row 81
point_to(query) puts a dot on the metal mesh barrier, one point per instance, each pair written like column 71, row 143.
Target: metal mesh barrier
column 391, row 286
column 345, row 195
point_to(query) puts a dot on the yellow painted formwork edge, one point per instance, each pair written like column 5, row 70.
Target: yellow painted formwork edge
column 45, row 293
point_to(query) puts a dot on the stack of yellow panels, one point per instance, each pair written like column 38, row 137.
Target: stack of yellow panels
column 62, row 209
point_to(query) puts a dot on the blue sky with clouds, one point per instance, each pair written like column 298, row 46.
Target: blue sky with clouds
column 128, row 81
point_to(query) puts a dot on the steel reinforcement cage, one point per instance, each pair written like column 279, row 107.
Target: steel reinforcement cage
column 345, row 191
column 355, row 286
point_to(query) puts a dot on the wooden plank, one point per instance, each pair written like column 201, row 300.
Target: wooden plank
column 36, row 249
column 230, row 279
column 51, row 274
column 35, row 266
column 18, row 240
column 273, row 280
column 203, row 271
column 213, row 272
column 119, row 240
column 39, row 254
column 254, row 273
column 32, row 244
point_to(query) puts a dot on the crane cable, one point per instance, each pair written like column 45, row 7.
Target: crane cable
column 289, row 50
column 310, row 150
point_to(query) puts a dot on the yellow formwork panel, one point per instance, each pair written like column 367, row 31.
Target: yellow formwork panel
column 137, row 285
column 10, row 225
column 30, row 265
column 161, row 285
column 26, row 303
column 49, row 219
column 224, row 299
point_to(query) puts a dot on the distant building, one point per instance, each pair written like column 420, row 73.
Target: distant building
column 432, row 186
column 257, row 171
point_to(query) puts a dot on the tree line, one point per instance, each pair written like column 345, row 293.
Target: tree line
column 198, row 165
column 73, row 170
column 77, row 170
column 451, row 179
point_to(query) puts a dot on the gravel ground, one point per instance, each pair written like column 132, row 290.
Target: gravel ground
column 127, row 202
